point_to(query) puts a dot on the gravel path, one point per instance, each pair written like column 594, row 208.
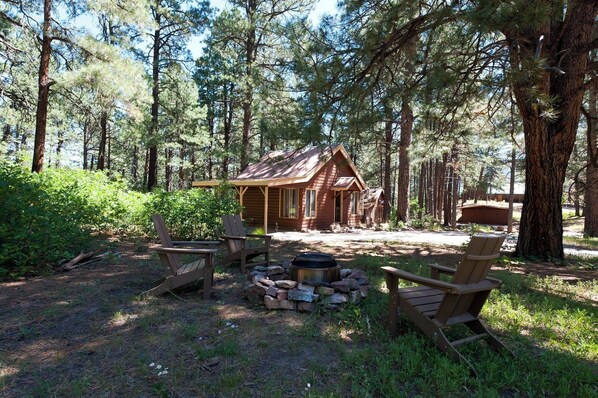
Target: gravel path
column 435, row 238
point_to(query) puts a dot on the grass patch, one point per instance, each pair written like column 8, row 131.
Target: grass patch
column 584, row 242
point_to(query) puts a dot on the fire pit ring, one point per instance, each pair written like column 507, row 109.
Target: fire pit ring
column 314, row 269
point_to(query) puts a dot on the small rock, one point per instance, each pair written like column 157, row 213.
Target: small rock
column 266, row 282
column 279, row 277
column 287, row 305
column 353, row 284
column 342, row 286
column 325, row 291
column 307, row 307
column 300, row 295
column 275, row 270
column 345, row 272
column 282, row 294
column 364, row 291
column 336, row 298
column 307, row 288
column 272, row 291
column 363, row 281
column 355, row 296
column 286, row 284
column 259, row 289
column 356, row 274
column 254, row 298
column 261, row 268
column 271, row 303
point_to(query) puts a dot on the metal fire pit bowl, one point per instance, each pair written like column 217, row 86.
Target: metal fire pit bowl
column 314, row 269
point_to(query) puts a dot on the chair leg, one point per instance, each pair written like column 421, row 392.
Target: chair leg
column 477, row 327
column 445, row 345
column 392, row 283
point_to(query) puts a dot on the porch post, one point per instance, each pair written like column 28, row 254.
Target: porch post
column 242, row 191
column 266, row 210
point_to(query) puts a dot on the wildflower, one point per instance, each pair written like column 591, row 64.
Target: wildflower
column 152, row 365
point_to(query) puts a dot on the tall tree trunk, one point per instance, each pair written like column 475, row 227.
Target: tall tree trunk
column 387, row 159
column 86, row 138
column 103, row 138
column 512, row 188
column 41, row 114
column 404, row 161
column 441, row 181
column 591, row 188
column 211, row 129
column 152, row 174
column 168, row 169
column 135, row 163
column 228, row 123
column 476, row 192
column 250, row 56
column 421, row 189
column 447, row 197
column 59, row 146
column 549, row 141
column 182, row 182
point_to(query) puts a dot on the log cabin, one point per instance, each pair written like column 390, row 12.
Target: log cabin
column 305, row 189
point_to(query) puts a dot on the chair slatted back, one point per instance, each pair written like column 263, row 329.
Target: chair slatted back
column 174, row 261
column 479, row 257
column 233, row 226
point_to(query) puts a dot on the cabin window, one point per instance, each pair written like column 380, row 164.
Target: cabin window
column 289, row 203
column 354, row 206
column 310, row 203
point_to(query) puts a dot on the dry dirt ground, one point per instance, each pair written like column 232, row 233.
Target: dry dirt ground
column 87, row 333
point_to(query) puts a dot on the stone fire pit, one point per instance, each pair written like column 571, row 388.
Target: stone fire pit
column 271, row 286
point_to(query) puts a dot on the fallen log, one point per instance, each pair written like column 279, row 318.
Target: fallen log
column 75, row 262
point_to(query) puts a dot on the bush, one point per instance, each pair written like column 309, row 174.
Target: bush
column 42, row 220
column 193, row 214
column 52, row 216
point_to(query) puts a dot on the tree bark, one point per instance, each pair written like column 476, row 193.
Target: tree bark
column 250, row 57
column 228, row 124
column 103, row 138
column 421, row 189
column 168, row 168
column 404, row 161
column 387, row 160
column 152, row 173
column 41, row 114
column 59, row 146
column 512, row 188
column 591, row 186
column 549, row 141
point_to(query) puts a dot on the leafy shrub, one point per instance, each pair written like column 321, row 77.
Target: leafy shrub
column 52, row 216
column 193, row 214
column 42, row 220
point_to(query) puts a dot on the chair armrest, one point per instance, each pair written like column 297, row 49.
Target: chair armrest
column 233, row 237
column 260, row 236
column 436, row 270
column 443, row 269
column 422, row 280
column 182, row 250
column 486, row 284
column 197, row 243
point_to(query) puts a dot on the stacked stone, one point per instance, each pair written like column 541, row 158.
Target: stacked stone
column 272, row 287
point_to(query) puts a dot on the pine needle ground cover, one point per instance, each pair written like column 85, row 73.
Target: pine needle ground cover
column 87, row 333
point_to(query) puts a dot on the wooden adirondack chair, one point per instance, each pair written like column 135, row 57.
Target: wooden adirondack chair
column 237, row 243
column 182, row 274
column 437, row 305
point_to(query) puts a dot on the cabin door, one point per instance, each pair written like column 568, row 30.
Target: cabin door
column 338, row 205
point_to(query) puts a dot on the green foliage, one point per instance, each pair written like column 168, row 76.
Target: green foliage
column 49, row 217
column 45, row 218
column 195, row 213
